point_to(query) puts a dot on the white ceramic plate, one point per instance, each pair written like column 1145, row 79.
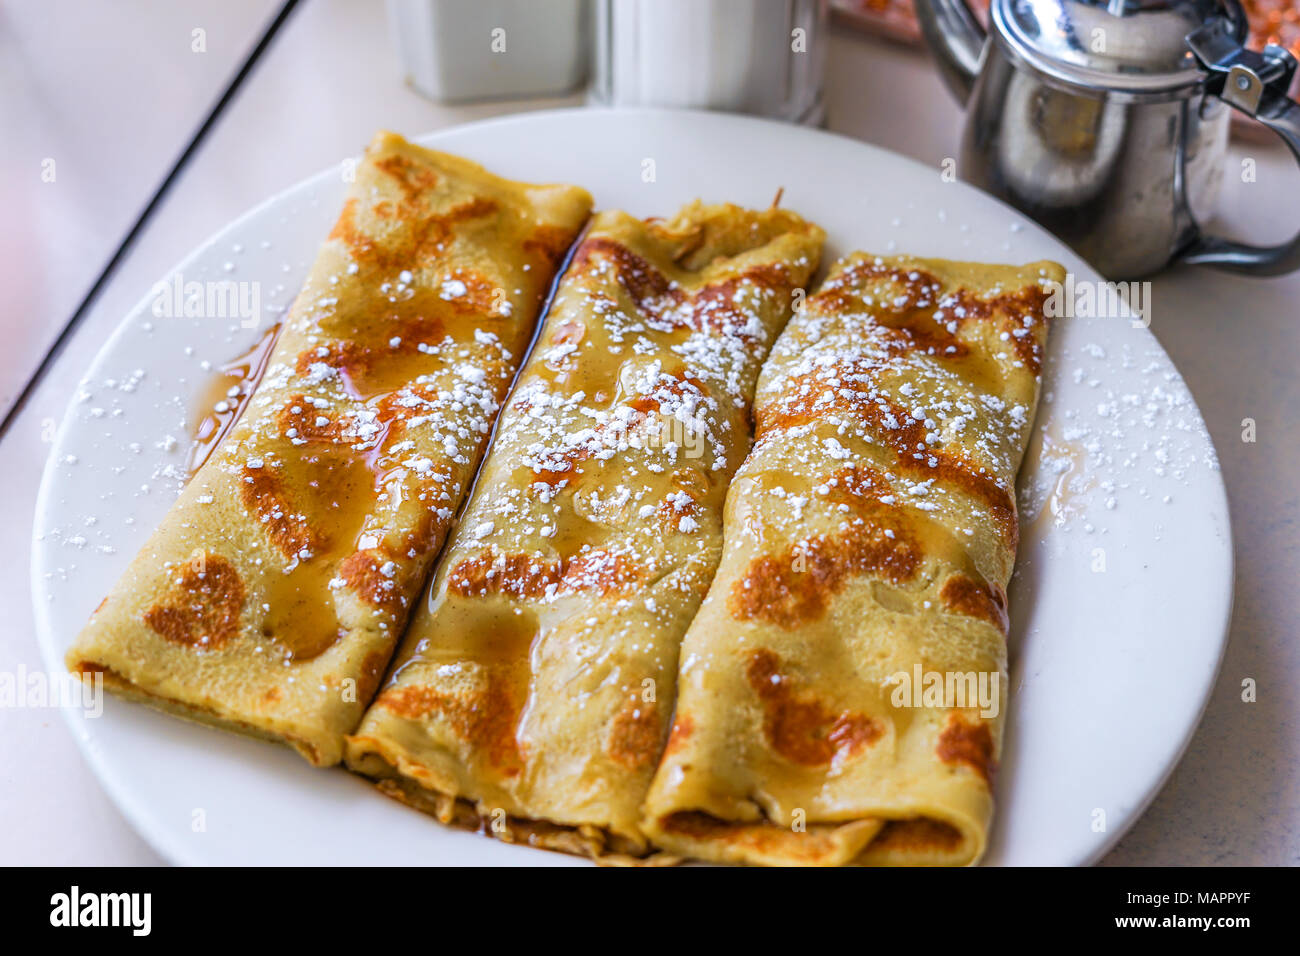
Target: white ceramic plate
column 1122, row 593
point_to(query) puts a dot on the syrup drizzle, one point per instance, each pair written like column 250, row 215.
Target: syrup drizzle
column 223, row 397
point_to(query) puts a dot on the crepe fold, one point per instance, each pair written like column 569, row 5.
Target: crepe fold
column 270, row 598
column 842, row 688
column 532, row 693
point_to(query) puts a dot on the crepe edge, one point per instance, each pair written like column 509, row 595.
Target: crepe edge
column 315, row 748
column 412, row 783
column 886, row 837
column 542, row 195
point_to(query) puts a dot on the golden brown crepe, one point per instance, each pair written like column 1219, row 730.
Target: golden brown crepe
column 270, row 598
column 870, row 536
column 532, row 694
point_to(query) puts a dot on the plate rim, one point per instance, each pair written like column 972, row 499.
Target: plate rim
column 115, row 783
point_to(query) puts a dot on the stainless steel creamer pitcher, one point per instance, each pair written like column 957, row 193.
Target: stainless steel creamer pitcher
column 1108, row 122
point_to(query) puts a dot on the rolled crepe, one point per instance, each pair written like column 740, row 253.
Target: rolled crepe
column 869, row 539
column 532, row 693
column 271, row 597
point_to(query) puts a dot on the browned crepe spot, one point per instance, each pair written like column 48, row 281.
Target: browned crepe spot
column 975, row 599
column 683, row 727
column 554, row 478
column 773, row 589
column 712, row 306
column 692, row 481
column 917, row 836
column 595, row 571
column 518, row 575
column 372, row 669
column 482, row 296
column 797, row 725
column 485, row 719
column 428, row 528
column 549, row 243
column 411, row 402
column 635, row 734
column 568, row 332
column 205, row 613
column 384, row 351
column 361, row 572
column 1026, row 303
column 669, row 514
column 423, row 236
column 413, row 178
column 809, row 398
column 908, row 319
column 600, row 572
column 299, row 416
column 677, row 388
column 264, row 494
column 969, row 744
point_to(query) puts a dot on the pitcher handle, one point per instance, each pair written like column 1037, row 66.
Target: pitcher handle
column 1257, row 85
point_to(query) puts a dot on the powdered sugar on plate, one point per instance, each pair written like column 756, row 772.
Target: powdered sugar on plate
column 1114, row 425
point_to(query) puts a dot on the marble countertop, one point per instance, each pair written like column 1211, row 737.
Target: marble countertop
column 113, row 93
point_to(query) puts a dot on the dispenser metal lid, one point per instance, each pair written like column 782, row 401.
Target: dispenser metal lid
column 1136, row 47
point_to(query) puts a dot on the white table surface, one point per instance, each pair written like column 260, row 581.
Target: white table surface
column 113, row 93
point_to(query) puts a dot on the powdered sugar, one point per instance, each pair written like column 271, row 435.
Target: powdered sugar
column 1134, row 433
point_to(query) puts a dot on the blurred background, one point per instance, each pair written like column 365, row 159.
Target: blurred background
column 106, row 184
